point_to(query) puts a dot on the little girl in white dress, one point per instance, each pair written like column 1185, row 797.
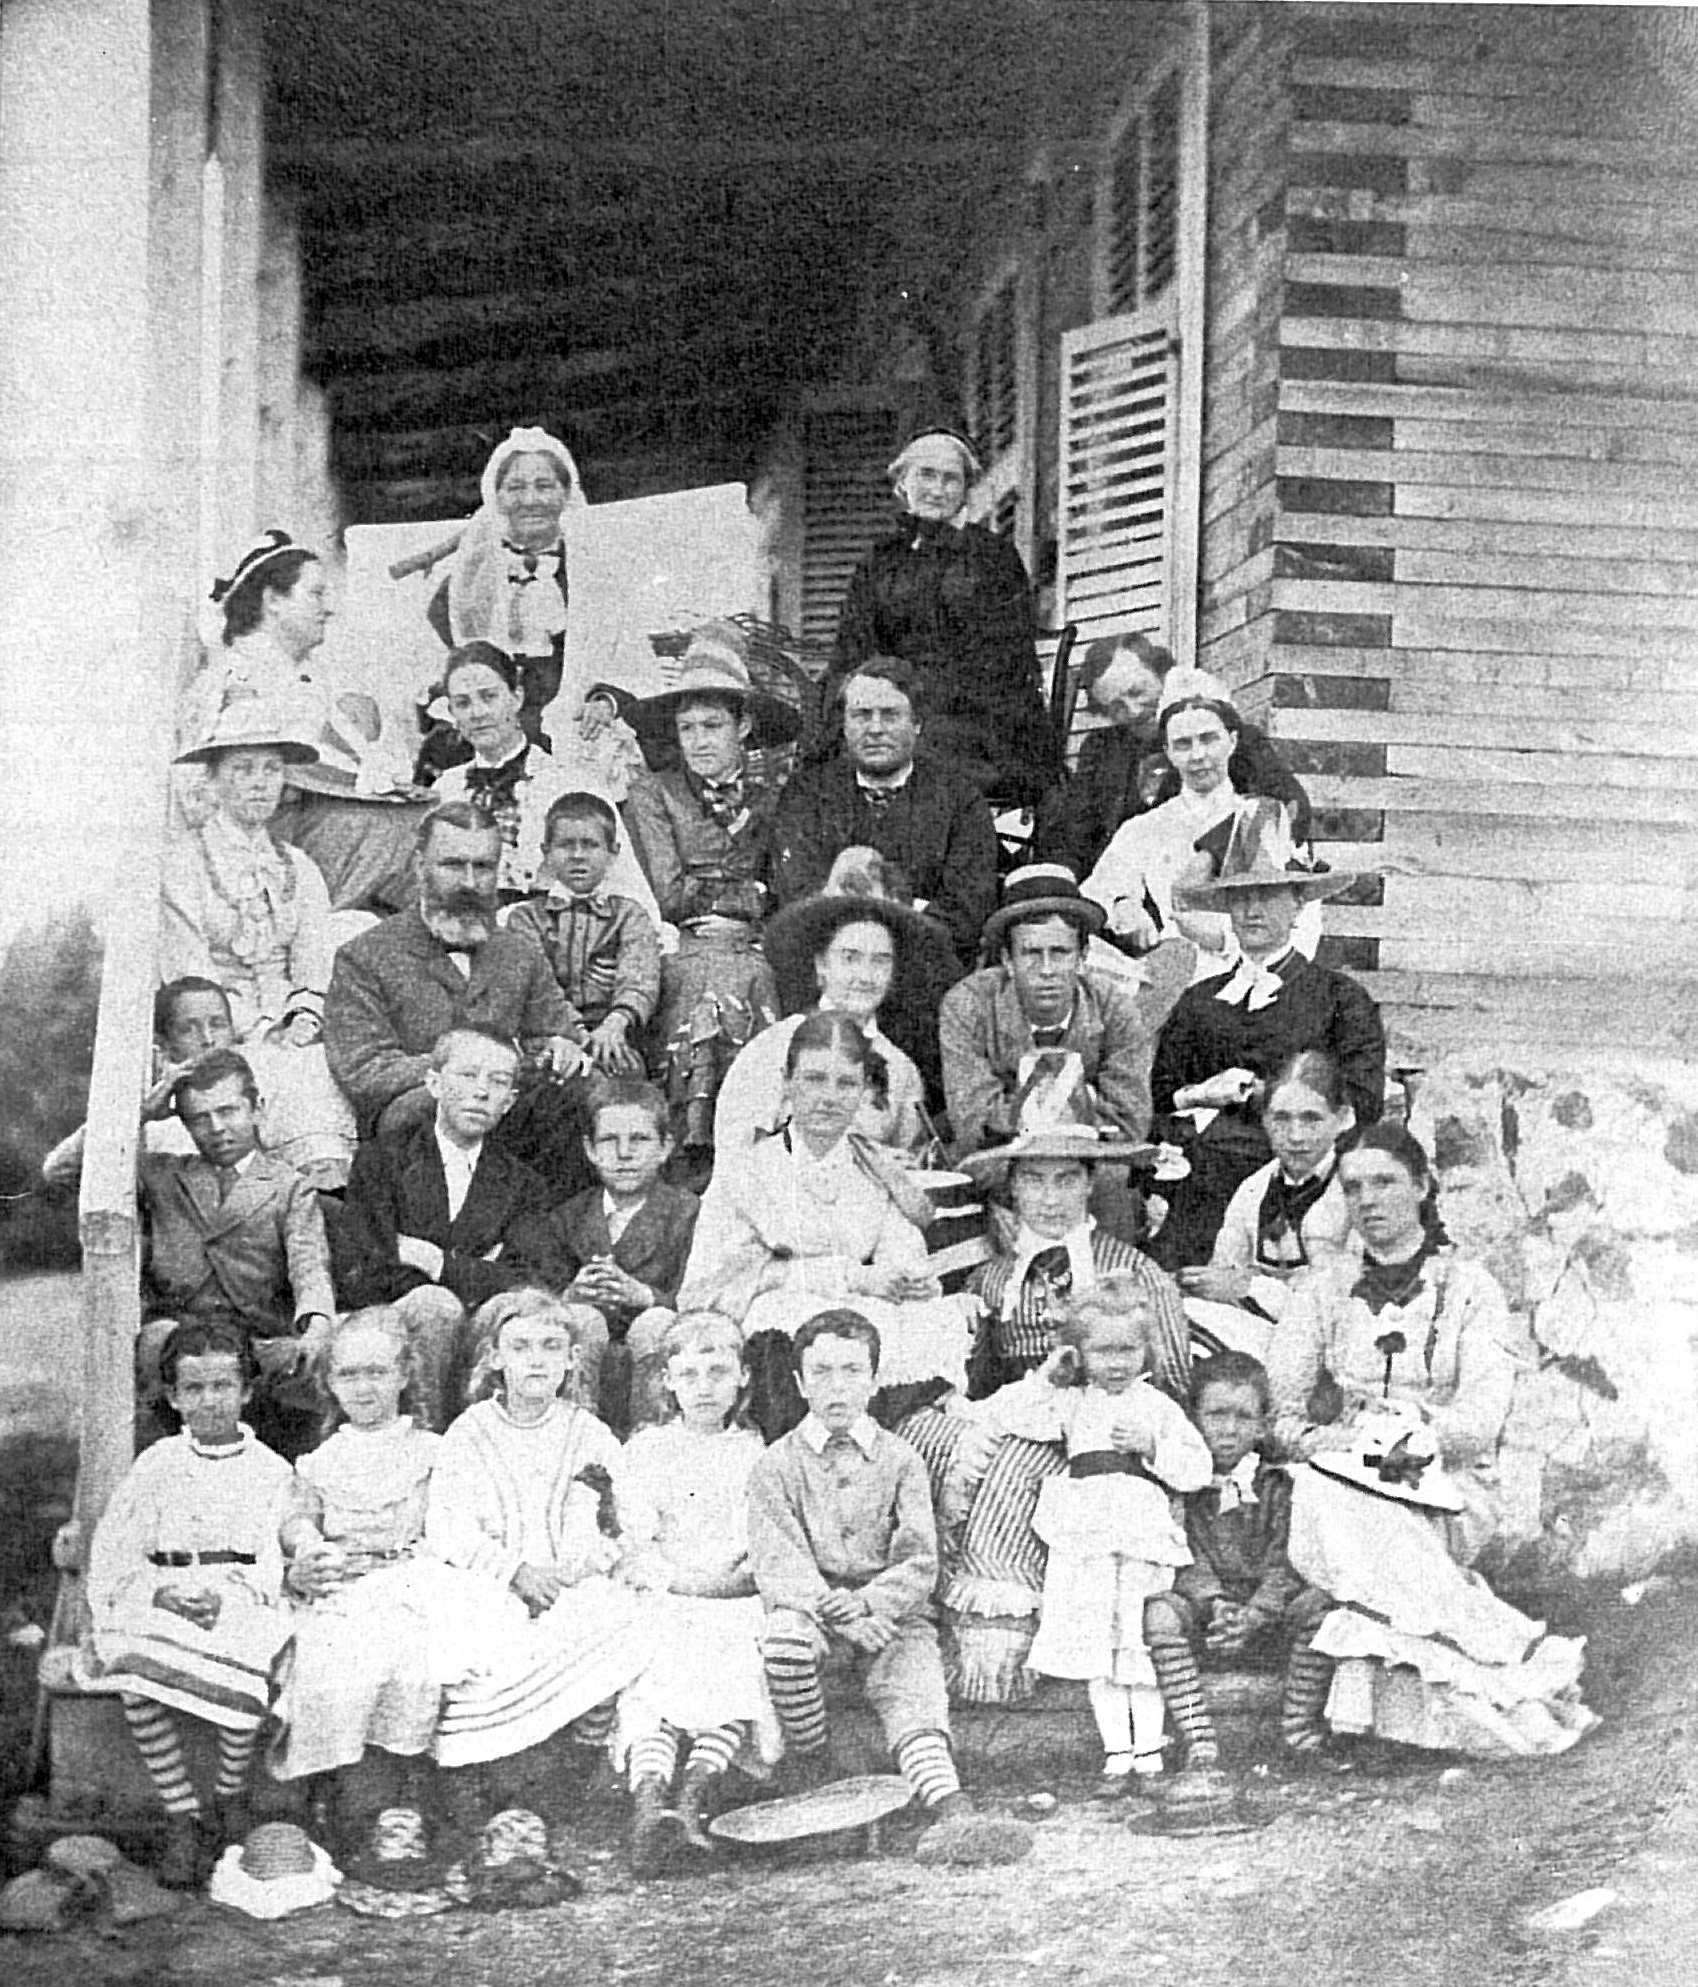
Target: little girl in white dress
column 682, row 1491
column 1110, row 1525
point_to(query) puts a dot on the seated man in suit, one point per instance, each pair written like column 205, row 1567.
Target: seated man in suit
column 883, row 792
column 442, row 964
column 435, row 1216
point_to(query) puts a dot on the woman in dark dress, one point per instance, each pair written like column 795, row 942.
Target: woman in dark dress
column 953, row 601
column 1228, row 1035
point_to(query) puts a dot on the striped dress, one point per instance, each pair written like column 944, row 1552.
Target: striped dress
column 206, row 1518
column 503, row 1496
column 993, row 1557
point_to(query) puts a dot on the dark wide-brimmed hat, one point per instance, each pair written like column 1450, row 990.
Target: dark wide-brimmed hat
column 1092, row 1144
column 799, row 933
column 248, row 724
column 1042, row 890
column 715, row 664
column 1258, row 854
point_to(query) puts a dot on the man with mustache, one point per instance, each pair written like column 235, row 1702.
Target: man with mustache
column 442, row 964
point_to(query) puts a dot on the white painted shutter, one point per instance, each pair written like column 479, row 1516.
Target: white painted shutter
column 846, row 506
column 1114, row 519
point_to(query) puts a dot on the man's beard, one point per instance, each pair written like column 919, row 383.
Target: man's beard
column 461, row 922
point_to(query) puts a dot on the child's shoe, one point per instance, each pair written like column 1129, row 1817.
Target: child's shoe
column 652, row 1822
column 698, row 1803
column 181, row 1864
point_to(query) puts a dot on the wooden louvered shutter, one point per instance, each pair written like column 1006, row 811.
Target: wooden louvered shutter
column 1114, row 513
column 845, row 506
column 1000, row 390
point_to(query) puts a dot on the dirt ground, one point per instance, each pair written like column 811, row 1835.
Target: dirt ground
column 1426, row 1876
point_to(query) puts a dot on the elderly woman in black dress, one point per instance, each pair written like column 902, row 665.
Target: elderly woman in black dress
column 954, row 602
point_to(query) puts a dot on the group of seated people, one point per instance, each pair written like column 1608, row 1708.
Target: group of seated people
column 554, row 1275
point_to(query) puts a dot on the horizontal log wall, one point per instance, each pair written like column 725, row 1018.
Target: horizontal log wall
column 1460, row 575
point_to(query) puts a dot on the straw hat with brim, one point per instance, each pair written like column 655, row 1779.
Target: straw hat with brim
column 1091, row 1143
column 1042, row 890
column 276, row 1871
column 247, row 725
column 715, row 664
column 801, row 932
column 1404, row 1475
column 1258, row 855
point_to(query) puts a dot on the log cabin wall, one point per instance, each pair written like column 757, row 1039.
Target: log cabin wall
column 1450, row 536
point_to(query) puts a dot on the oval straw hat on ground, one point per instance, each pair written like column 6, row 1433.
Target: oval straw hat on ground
column 278, row 1870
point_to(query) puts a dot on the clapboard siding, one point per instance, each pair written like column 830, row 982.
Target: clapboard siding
column 1472, row 614
column 1249, row 116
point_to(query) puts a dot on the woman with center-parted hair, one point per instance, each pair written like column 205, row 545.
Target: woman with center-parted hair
column 817, row 1214
column 1392, row 1376
column 514, row 781
column 1136, row 876
column 1122, row 770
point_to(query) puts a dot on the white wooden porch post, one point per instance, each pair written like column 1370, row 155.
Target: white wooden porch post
column 93, row 579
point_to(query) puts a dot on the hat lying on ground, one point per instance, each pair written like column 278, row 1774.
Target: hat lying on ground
column 276, row 1871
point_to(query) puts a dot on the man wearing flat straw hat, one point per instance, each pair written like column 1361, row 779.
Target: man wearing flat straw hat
column 1227, row 1035
column 1039, row 1037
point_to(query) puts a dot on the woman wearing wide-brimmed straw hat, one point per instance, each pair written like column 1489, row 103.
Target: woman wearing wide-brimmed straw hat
column 351, row 806
column 953, row 600
column 841, row 954
column 1149, row 855
column 251, row 914
column 703, row 833
column 1400, row 1494
column 1227, row 1035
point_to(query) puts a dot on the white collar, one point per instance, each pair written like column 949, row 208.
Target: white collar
column 457, row 1158
column 1081, row 1263
column 862, row 1431
column 1239, row 1485
column 888, row 783
column 1256, row 983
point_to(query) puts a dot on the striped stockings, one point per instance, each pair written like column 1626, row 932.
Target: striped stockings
column 654, row 1755
column 923, row 1760
column 1182, row 1691
column 1308, row 1675
column 793, row 1677
column 160, row 1743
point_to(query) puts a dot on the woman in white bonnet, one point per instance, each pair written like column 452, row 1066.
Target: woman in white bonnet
column 509, row 586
